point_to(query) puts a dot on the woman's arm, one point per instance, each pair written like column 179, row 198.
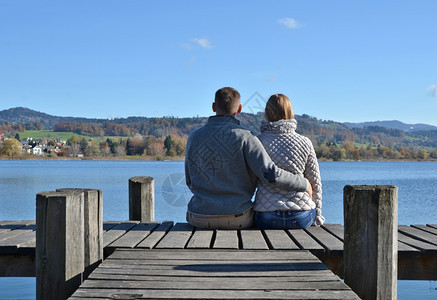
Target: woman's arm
column 312, row 173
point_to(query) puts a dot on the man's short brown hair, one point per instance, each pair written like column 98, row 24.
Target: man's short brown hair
column 227, row 100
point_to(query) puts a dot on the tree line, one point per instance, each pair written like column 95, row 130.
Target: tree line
column 167, row 136
column 149, row 146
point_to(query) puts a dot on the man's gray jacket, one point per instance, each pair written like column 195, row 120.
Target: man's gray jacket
column 223, row 162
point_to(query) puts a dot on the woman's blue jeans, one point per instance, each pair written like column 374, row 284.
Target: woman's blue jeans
column 290, row 219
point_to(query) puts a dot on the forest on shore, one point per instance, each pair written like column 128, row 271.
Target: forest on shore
column 165, row 137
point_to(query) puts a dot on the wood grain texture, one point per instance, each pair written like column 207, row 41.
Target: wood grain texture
column 370, row 239
column 59, row 244
column 280, row 240
column 142, row 199
column 213, row 274
column 177, row 237
column 125, row 234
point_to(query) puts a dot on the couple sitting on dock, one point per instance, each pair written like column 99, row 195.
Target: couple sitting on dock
column 225, row 164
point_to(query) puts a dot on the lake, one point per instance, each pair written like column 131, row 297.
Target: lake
column 20, row 181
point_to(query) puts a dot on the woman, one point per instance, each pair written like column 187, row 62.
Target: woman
column 275, row 208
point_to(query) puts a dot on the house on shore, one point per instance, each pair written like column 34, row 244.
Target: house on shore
column 37, row 150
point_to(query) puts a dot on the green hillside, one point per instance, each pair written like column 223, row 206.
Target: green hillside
column 332, row 140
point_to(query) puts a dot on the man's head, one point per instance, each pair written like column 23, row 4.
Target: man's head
column 227, row 102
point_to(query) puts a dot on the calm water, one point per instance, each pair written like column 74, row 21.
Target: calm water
column 20, row 181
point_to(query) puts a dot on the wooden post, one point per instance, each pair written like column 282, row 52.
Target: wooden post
column 141, row 199
column 59, row 244
column 370, row 240
column 93, row 227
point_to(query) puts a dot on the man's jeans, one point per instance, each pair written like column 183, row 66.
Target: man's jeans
column 298, row 219
column 238, row 221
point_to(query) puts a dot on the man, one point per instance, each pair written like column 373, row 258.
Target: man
column 223, row 162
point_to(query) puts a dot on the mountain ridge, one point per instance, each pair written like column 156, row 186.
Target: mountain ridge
column 393, row 124
column 22, row 115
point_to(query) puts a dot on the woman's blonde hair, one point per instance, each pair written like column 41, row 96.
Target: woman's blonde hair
column 278, row 108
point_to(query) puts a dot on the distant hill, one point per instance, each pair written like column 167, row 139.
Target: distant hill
column 393, row 125
column 393, row 134
column 22, row 115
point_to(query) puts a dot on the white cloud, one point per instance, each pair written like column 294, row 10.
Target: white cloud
column 204, row 43
column 433, row 90
column 289, row 23
column 271, row 79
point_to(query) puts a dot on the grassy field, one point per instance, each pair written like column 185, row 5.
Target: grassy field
column 52, row 135
column 48, row 134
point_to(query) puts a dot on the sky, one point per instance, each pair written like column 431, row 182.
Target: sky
column 346, row 61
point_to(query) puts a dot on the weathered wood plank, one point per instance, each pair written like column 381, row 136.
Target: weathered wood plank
column 226, row 239
column 253, row 239
column 215, row 285
column 238, row 272
column 117, row 231
column 13, row 225
column 305, row 241
column 6, row 222
column 218, row 269
column 17, row 232
column 405, row 250
column 336, row 230
column 134, row 236
column 167, row 262
column 298, row 276
column 418, row 234
column 201, row 239
column 425, row 248
column 156, row 236
column 224, row 254
column 330, row 242
column 280, row 240
column 10, row 246
column 157, row 263
column 426, row 228
column 216, row 294
column 211, row 273
column 18, row 222
column 277, row 239
column 177, row 237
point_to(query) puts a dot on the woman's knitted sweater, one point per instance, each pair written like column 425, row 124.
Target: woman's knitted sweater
column 295, row 153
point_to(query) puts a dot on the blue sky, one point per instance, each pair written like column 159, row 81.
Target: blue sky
column 336, row 60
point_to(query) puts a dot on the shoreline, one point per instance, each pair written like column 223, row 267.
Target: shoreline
column 102, row 158
column 177, row 158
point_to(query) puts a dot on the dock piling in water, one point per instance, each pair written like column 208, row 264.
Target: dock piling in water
column 93, row 227
column 69, row 240
column 141, row 199
column 371, row 240
column 59, row 244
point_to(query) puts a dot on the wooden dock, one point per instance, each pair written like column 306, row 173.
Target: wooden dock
column 212, row 274
column 74, row 254
column 417, row 244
